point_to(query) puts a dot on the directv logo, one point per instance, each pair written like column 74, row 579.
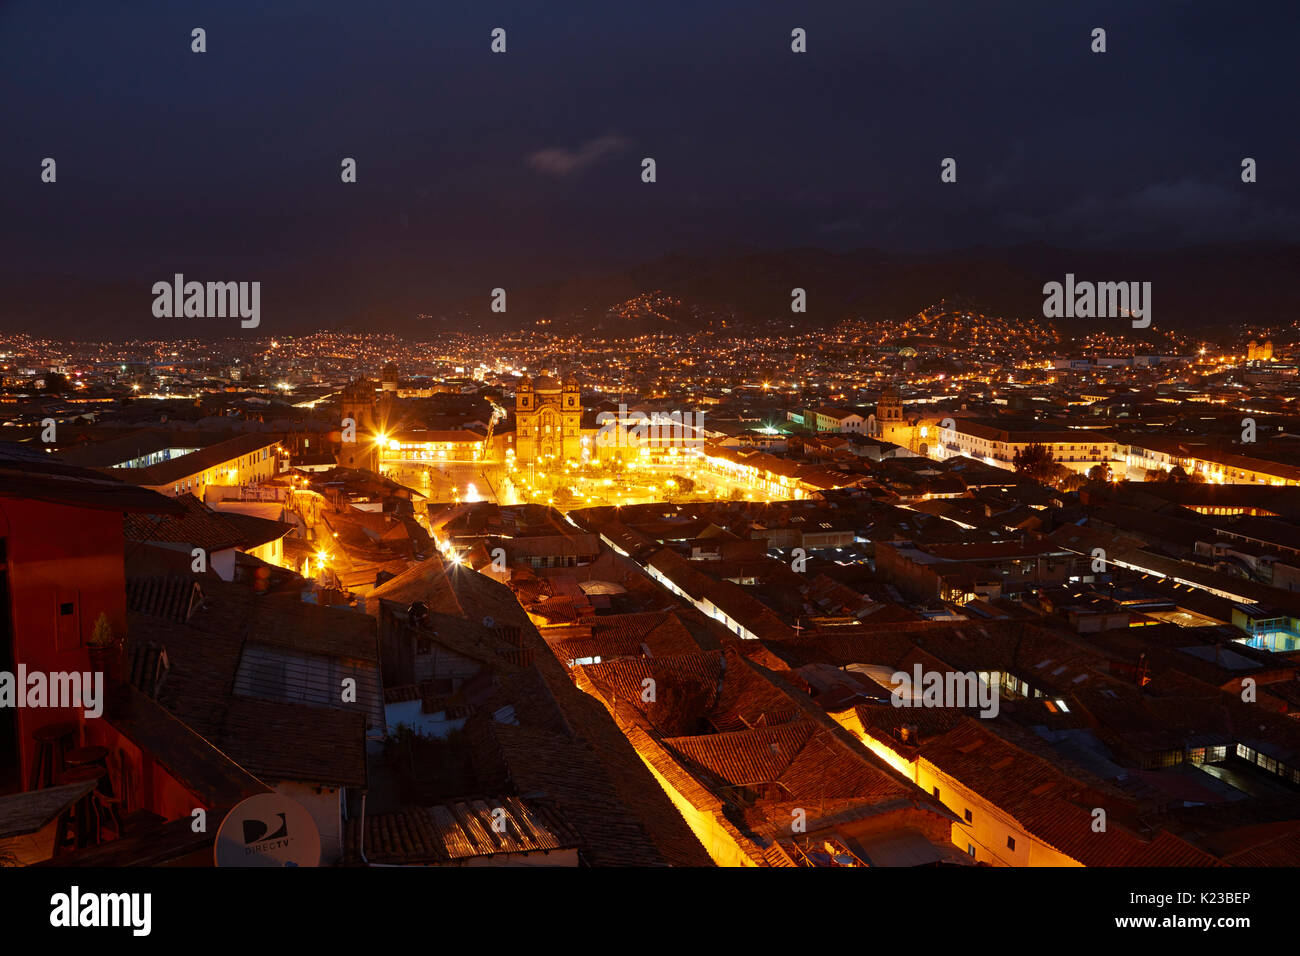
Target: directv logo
column 257, row 839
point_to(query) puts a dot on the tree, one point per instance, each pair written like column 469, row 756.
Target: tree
column 1070, row 481
column 1100, row 473
column 102, row 633
column 56, row 383
column 1036, row 462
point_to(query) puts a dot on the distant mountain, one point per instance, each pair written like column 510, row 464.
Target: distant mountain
column 1206, row 286
column 1213, row 286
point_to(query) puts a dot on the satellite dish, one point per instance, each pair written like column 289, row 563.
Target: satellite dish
column 268, row 829
column 489, row 622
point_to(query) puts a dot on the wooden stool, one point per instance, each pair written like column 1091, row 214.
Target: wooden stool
column 53, row 742
column 79, row 824
column 86, row 757
column 106, row 802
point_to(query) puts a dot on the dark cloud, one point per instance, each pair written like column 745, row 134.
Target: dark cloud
column 558, row 161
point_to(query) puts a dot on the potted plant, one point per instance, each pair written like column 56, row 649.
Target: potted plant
column 105, row 649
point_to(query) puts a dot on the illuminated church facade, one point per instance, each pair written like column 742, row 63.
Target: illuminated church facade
column 548, row 419
column 889, row 424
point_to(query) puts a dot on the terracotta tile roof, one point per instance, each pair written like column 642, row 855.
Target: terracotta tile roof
column 28, row 473
column 744, row 757
column 564, row 744
column 610, row 636
column 460, row 831
column 577, row 782
column 528, row 698
column 884, row 724
column 1274, row 844
column 198, row 526
column 427, row 582
column 555, row 610
column 324, row 743
column 256, row 531
column 173, row 470
column 686, row 687
column 171, row 598
column 738, row 604
column 147, row 667
column 1054, row 805
column 99, row 452
column 279, row 741
column 577, row 544
column 748, row 698
column 193, row 761
column 792, row 751
column 810, row 763
column 1174, row 712
column 1169, row 850
column 1048, row 660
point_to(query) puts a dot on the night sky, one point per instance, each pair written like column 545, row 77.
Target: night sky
column 478, row 168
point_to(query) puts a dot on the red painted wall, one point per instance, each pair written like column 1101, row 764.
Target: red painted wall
column 59, row 554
